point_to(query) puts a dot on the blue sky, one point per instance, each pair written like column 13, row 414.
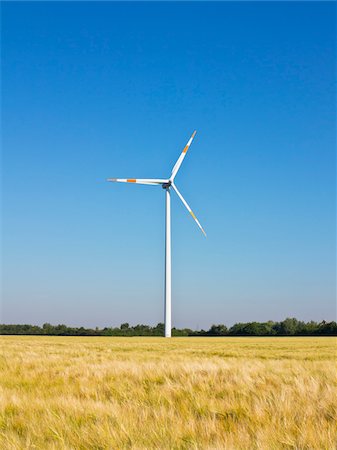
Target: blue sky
column 97, row 90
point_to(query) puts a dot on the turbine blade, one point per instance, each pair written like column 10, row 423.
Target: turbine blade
column 181, row 157
column 150, row 181
column 188, row 208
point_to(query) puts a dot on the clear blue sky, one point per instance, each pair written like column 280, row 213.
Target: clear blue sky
column 97, row 90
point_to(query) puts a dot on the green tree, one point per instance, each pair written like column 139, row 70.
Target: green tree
column 289, row 326
column 218, row 330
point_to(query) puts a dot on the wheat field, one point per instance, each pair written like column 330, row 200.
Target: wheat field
column 152, row 393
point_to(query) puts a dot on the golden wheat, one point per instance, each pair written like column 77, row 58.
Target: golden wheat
column 184, row 393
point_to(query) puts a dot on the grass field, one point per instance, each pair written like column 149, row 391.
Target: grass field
column 151, row 393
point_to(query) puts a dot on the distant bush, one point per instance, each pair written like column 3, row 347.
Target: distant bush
column 288, row 327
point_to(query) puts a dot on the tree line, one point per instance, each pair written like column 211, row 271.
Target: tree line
column 288, row 327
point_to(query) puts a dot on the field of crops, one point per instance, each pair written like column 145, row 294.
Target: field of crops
column 184, row 393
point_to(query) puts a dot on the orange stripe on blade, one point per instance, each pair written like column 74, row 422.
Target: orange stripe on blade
column 185, row 149
column 131, row 180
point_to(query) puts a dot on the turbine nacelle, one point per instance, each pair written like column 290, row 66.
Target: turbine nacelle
column 166, row 185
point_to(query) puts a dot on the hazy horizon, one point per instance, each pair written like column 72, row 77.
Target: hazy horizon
column 196, row 328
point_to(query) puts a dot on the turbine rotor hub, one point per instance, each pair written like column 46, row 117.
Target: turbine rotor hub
column 166, row 185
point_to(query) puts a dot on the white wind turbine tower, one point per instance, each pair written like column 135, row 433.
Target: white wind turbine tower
column 167, row 184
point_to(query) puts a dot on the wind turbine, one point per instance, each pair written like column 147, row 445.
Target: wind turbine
column 167, row 184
